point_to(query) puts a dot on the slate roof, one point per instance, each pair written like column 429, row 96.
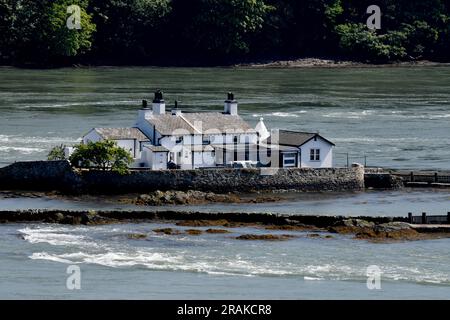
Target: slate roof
column 156, row 148
column 167, row 124
column 253, row 147
column 199, row 122
column 295, row 138
column 218, row 121
column 121, row 134
column 199, row 147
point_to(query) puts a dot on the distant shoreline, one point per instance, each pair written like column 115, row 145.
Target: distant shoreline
column 309, row 62
column 336, row 63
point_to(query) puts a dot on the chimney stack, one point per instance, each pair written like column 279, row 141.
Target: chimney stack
column 158, row 105
column 231, row 105
column 144, row 112
column 176, row 111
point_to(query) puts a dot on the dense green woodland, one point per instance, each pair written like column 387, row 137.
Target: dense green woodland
column 212, row 32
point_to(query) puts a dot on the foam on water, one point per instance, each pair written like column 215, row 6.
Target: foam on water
column 56, row 237
column 80, row 249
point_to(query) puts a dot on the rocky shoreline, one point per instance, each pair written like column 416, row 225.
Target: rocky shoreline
column 374, row 229
column 176, row 197
column 334, row 63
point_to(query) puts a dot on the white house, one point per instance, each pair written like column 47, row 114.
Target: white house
column 163, row 139
column 301, row 149
column 131, row 139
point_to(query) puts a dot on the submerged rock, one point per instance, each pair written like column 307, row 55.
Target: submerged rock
column 202, row 223
column 194, row 232
column 376, row 232
column 217, row 231
column 136, row 236
column 313, row 235
column 267, row 237
column 167, row 231
column 292, row 227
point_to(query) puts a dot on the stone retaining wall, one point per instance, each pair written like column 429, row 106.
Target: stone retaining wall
column 382, row 181
column 40, row 175
column 58, row 175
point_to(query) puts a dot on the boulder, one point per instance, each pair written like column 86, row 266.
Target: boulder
column 217, row 231
column 136, row 236
column 392, row 226
column 194, row 232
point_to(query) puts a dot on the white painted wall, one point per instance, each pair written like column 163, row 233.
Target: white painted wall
column 130, row 145
column 326, row 154
column 92, row 136
column 154, row 160
column 144, row 125
column 202, row 159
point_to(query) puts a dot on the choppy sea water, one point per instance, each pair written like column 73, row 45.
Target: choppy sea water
column 396, row 117
column 35, row 258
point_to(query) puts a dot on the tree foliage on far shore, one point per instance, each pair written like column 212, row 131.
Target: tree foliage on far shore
column 35, row 32
column 201, row 32
column 102, row 155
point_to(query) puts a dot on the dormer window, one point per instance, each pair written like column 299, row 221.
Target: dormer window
column 235, row 139
column 206, row 139
column 179, row 140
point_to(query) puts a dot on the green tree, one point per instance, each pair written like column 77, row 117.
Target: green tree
column 411, row 29
column 6, row 25
column 103, row 155
column 218, row 28
column 130, row 29
column 359, row 41
column 57, row 153
column 41, row 35
column 67, row 42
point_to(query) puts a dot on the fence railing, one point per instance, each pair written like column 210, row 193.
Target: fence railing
column 424, row 177
column 425, row 219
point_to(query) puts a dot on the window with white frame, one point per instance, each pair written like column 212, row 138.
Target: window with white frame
column 289, row 159
column 314, row 155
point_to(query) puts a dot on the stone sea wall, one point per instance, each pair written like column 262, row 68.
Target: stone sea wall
column 382, row 180
column 40, row 175
column 58, row 175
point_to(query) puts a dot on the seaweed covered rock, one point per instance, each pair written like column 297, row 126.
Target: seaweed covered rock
column 158, row 198
column 136, row 236
column 267, row 237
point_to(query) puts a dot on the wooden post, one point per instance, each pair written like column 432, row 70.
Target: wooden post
column 412, row 176
column 424, row 218
column 436, row 177
column 410, row 217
